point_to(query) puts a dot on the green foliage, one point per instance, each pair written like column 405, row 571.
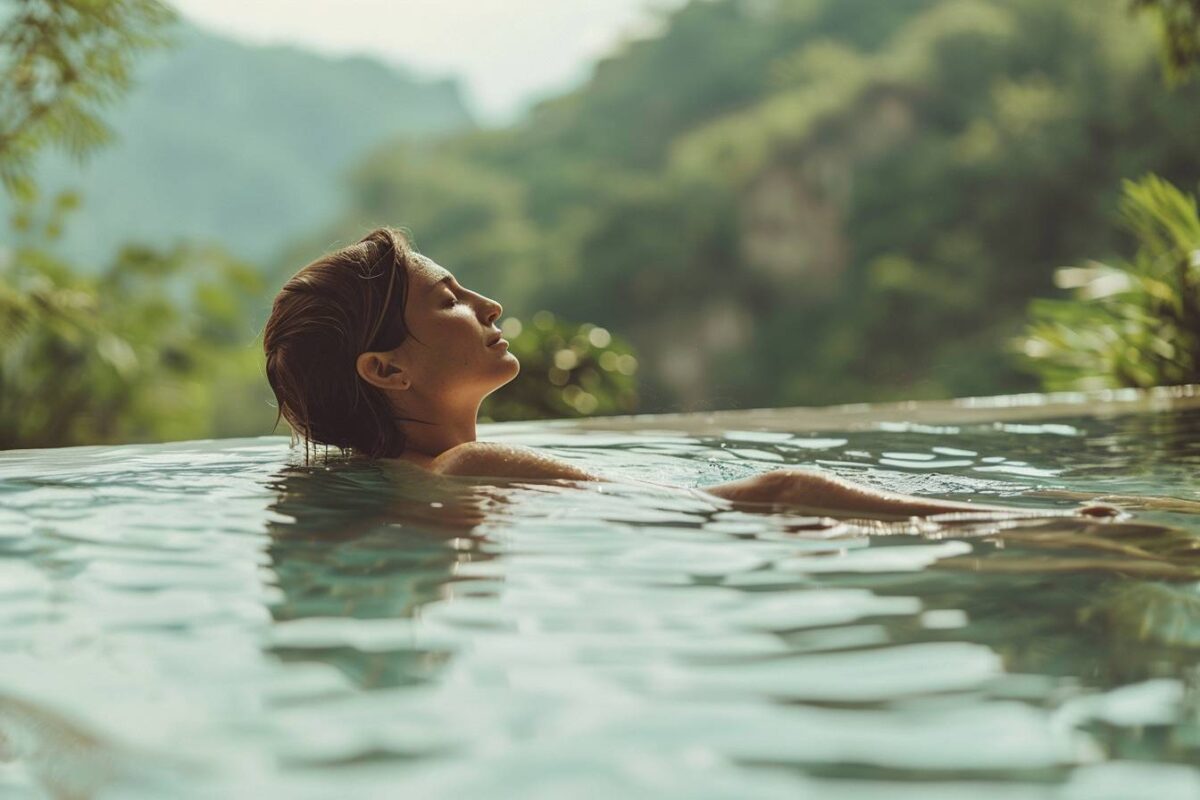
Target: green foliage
column 152, row 346
column 798, row 201
column 245, row 145
column 158, row 343
column 155, row 346
column 567, row 370
column 1179, row 21
column 842, row 200
column 61, row 63
column 1133, row 323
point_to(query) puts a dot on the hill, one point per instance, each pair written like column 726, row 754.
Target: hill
column 807, row 201
column 240, row 144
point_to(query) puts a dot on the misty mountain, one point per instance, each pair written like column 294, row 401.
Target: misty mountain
column 240, row 144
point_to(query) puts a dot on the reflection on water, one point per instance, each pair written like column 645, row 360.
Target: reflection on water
column 216, row 619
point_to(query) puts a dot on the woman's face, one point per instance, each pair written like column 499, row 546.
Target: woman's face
column 454, row 353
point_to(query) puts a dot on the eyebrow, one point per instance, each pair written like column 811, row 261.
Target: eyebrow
column 445, row 280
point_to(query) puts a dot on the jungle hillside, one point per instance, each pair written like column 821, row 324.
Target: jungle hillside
column 764, row 203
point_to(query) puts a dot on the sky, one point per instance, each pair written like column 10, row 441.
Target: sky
column 507, row 53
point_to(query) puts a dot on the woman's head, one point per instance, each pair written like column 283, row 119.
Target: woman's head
column 376, row 333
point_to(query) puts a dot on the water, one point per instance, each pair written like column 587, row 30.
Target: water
column 216, row 619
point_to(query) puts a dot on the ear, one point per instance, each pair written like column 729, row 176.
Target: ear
column 382, row 369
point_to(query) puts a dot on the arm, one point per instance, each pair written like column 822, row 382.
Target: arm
column 817, row 491
column 814, row 491
column 821, row 492
column 1130, row 501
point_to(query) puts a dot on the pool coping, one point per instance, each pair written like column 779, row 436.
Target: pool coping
column 856, row 416
column 963, row 410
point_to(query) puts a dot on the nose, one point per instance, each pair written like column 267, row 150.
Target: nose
column 491, row 309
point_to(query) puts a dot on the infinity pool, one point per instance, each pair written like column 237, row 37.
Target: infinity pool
column 217, row 619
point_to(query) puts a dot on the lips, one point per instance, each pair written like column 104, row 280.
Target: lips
column 493, row 341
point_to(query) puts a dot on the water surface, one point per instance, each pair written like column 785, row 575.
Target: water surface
column 219, row 619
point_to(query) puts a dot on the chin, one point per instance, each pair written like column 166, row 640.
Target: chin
column 515, row 368
column 509, row 369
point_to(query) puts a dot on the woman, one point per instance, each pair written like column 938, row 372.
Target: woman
column 377, row 349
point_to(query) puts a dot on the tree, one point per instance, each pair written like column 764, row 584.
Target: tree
column 61, row 63
column 567, row 370
column 829, row 201
column 1135, row 322
column 151, row 347
column 1179, row 21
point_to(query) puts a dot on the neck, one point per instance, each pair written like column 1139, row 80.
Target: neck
column 441, row 430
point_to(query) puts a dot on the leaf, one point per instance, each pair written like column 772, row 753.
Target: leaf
column 1132, row 323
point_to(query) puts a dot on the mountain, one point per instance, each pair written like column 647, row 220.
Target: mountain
column 240, row 144
column 807, row 201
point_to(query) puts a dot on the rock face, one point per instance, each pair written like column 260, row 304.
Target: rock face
column 241, row 144
column 793, row 239
column 718, row 328
column 792, row 232
column 793, row 213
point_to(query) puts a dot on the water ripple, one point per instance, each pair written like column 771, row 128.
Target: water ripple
column 219, row 619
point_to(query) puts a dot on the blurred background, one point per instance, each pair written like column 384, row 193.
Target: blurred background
column 683, row 205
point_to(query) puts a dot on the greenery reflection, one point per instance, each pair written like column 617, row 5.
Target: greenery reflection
column 354, row 539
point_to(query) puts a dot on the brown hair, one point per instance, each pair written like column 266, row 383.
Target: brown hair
column 347, row 302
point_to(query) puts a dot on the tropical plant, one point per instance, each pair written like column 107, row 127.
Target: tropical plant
column 1135, row 322
column 154, row 346
column 61, row 63
column 843, row 200
column 567, row 370
column 1179, row 21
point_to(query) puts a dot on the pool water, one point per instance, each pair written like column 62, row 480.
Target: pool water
column 219, row 619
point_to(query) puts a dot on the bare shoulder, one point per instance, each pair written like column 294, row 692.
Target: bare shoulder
column 495, row 460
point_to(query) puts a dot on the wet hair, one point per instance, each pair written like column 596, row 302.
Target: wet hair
column 345, row 303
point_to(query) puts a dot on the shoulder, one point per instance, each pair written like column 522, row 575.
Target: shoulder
column 495, row 460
